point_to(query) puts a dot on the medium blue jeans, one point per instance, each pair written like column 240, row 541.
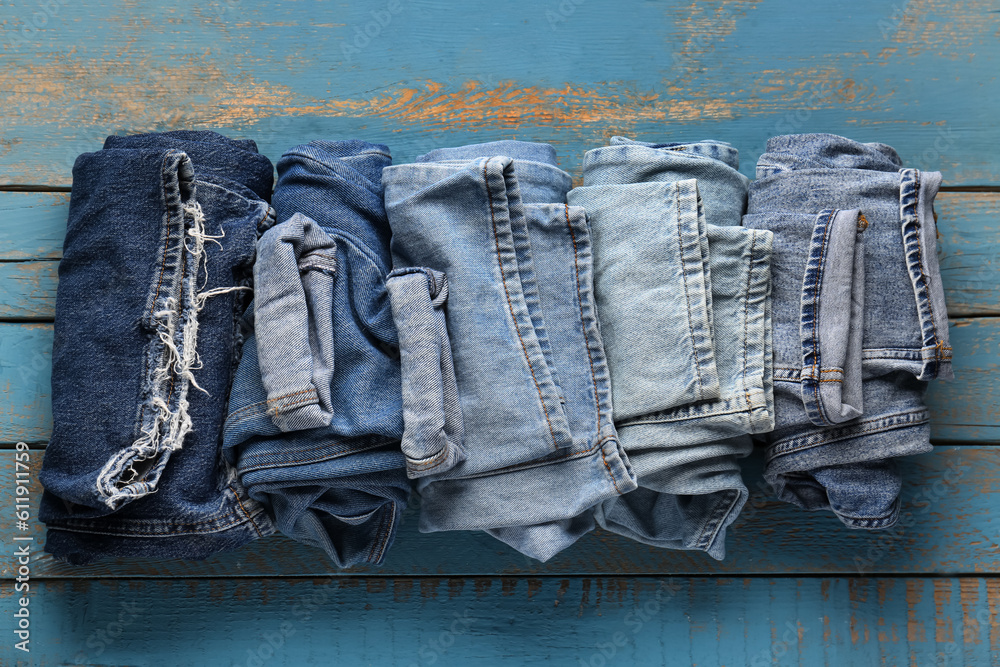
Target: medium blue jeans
column 683, row 295
column 315, row 417
column 160, row 239
column 506, row 389
column 860, row 322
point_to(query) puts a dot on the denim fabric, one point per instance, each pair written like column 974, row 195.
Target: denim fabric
column 161, row 234
column 315, row 417
column 860, row 322
column 683, row 297
column 536, row 449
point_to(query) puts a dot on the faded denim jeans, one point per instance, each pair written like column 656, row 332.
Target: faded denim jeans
column 683, row 295
column 860, row 322
column 315, row 418
column 507, row 399
column 160, row 238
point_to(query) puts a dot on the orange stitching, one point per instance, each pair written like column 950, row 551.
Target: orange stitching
column 280, row 398
column 920, row 256
column 822, row 252
column 249, row 518
column 746, row 306
column 517, row 329
column 583, row 325
column 614, row 482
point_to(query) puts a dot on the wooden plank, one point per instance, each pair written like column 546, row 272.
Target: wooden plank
column 968, row 407
column 969, row 251
column 428, row 75
column 28, row 290
column 25, row 382
column 568, row 622
column 966, row 410
column 948, row 525
column 32, row 227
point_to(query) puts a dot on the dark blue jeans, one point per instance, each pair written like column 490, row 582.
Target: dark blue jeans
column 160, row 237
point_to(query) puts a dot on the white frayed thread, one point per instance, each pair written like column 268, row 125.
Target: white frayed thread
column 168, row 428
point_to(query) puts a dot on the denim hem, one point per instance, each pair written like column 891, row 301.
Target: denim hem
column 171, row 319
column 832, row 310
column 239, row 511
column 257, row 456
column 693, row 251
column 510, row 234
column 720, row 507
column 83, row 546
column 887, row 520
column 491, row 500
column 916, row 195
column 748, row 412
column 784, row 447
column 756, row 374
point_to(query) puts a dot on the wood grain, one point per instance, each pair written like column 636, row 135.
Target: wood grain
column 572, row 73
column 948, row 525
column 545, row 621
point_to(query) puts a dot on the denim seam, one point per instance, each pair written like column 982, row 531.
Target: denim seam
column 583, row 324
column 245, row 513
column 886, row 423
column 712, row 526
column 383, row 536
column 746, row 323
column 244, row 469
column 510, row 306
column 537, row 463
column 719, row 407
column 216, row 525
column 909, row 196
column 687, row 295
column 163, row 420
column 811, row 292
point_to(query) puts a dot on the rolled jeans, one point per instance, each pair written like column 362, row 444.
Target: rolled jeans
column 683, row 295
column 315, row 417
column 158, row 250
column 860, row 321
column 506, row 391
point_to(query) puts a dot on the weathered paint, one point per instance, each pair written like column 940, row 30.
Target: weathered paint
column 920, row 75
column 969, row 250
column 439, row 73
column 948, row 526
column 28, row 290
column 662, row 621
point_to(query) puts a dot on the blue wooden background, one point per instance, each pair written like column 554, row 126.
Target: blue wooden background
column 796, row 588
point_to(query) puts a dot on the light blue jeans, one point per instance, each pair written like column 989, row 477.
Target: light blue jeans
column 860, row 322
column 683, row 295
column 507, row 399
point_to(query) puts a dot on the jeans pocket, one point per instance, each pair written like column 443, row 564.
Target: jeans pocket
column 294, row 276
column 819, row 303
column 432, row 416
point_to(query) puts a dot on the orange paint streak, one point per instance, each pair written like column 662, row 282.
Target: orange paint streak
column 914, row 627
column 943, row 630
